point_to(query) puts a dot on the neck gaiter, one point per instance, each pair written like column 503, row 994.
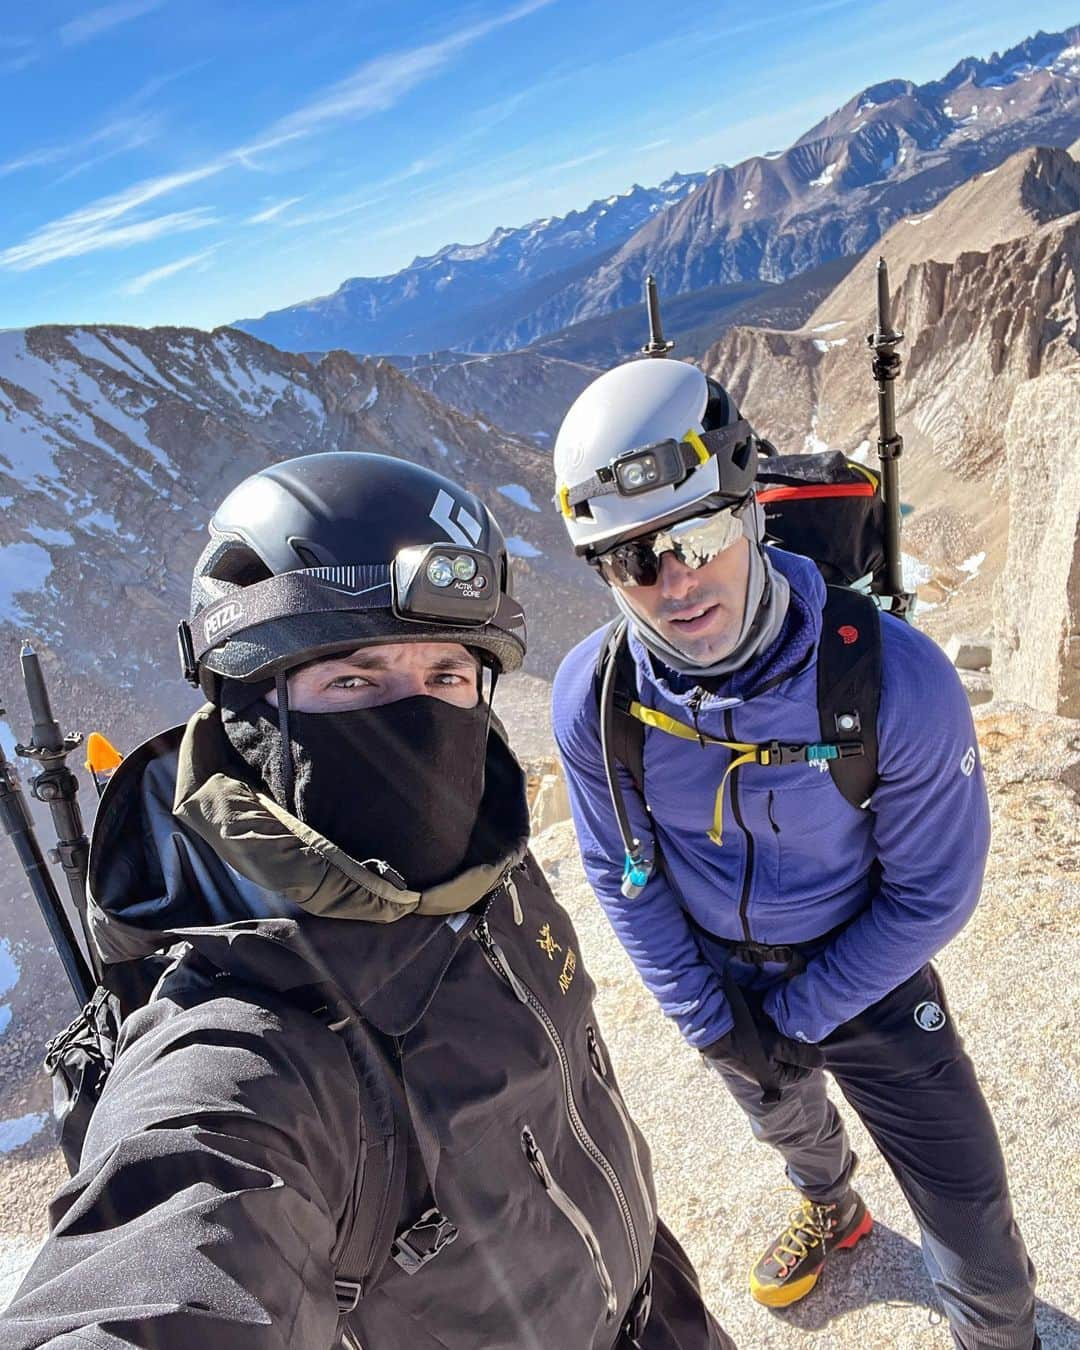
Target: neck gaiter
column 767, row 598
column 401, row 783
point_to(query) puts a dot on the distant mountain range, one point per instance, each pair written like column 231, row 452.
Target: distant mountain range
column 894, row 149
column 446, row 300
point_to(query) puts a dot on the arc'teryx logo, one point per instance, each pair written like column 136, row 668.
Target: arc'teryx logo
column 466, row 529
column 546, row 942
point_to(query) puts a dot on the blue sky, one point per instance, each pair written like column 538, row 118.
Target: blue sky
column 198, row 161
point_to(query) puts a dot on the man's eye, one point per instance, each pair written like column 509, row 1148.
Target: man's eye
column 448, row 678
column 349, row 682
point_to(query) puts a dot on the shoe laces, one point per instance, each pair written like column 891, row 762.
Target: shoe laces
column 808, row 1225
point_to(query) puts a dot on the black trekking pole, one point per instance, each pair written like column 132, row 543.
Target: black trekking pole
column 55, row 784
column 885, row 363
column 18, row 825
column 656, row 346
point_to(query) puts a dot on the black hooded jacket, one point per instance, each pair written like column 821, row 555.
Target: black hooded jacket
column 220, row 1163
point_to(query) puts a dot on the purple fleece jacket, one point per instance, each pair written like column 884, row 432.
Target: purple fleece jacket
column 803, row 864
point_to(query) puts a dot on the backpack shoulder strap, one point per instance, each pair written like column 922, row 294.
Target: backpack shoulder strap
column 371, row 1228
column 624, row 735
column 849, row 687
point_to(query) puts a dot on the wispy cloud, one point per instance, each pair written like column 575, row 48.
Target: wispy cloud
column 97, row 21
column 382, row 82
column 372, row 87
column 272, row 212
column 78, row 233
column 577, row 161
column 652, row 145
column 145, row 280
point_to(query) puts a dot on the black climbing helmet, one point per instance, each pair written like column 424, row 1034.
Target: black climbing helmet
column 330, row 552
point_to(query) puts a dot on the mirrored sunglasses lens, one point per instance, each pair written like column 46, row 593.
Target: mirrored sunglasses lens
column 633, row 564
column 697, row 542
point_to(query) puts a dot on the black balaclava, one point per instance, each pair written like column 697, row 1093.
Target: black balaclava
column 400, row 783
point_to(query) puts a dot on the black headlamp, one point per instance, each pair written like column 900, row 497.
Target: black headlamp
column 445, row 584
column 666, row 462
column 669, row 464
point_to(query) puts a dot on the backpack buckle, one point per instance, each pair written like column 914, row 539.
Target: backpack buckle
column 421, row 1243
column 348, row 1296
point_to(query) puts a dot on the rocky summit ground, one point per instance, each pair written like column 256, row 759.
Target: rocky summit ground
column 1011, row 977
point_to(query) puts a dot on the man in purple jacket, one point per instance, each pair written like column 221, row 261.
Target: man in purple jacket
column 784, row 930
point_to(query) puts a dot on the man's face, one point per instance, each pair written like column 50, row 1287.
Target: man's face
column 698, row 611
column 372, row 676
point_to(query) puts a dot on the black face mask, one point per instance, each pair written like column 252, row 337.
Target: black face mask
column 401, row 783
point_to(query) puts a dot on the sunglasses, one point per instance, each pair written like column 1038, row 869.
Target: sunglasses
column 694, row 542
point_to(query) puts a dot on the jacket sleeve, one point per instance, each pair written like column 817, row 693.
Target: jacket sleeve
column 216, row 1168
column 931, row 833
column 653, row 928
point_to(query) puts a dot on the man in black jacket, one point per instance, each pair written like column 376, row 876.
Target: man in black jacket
column 329, row 865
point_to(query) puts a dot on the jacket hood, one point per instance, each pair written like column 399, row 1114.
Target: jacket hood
column 185, row 851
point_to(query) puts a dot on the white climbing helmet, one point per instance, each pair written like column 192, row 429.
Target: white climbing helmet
column 648, row 443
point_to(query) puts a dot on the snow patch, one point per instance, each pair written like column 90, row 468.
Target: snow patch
column 748, row 199
column 915, row 572
column 814, row 445
column 441, row 446
column 372, row 398
column 23, row 568
column 46, row 536
column 9, row 967
column 521, row 548
column 861, row 452
column 824, row 179
column 828, row 327
column 5, row 1018
column 521, row 495
column 823, row 344
column 14, row 1133
column 973, row 564
column 918, row 220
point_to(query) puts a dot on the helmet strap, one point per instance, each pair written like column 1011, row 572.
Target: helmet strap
column 288, row 769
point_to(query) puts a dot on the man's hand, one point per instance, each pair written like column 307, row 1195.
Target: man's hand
column 756, row 1050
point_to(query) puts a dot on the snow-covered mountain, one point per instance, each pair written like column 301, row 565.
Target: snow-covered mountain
column 894, row 149
column 117, row 443
column 445, row 300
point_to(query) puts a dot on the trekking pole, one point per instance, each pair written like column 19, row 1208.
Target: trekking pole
column 656, row 346
column 18, row 825
column 55, row 784
column 885, row 364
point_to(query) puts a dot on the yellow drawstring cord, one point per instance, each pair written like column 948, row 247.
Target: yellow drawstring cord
column 745, row 752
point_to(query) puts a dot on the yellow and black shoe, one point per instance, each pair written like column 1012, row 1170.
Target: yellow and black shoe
column 792, row 1265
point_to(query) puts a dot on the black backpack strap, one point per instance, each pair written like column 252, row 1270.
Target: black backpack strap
column 371, row 1228
column 625, row 734
column 849, row 687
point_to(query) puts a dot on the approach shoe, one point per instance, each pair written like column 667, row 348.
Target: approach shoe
column 792, row 1265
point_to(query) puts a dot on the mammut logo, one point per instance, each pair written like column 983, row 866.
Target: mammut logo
column 221, row 618
column 848, row 634
column 465, row 529
column 547, row 943
column 967, row 764
column 567, row 975
column 929, row 1016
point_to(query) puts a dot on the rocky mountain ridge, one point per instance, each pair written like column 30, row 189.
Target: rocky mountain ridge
column 986, row 289
column 895, row 149
column 448, row 299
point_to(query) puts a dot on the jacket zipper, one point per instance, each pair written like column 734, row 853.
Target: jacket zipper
column 736, row 810
column 496, row 958
column 772, row 818
column 576, row 1216
column 600, row 1067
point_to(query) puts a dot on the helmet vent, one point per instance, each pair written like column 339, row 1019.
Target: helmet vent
column 240, row 566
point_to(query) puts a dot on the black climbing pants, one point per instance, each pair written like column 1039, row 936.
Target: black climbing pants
column 901, row 1065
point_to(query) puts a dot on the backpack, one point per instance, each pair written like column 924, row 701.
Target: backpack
column 80, row 1058
column 829, row 509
